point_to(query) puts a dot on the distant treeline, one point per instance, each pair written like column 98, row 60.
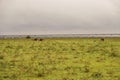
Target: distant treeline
column 60, row 36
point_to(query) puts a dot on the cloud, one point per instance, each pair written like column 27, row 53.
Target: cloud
column 59, row 16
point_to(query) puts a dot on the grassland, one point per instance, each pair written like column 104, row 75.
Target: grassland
column 60, row 59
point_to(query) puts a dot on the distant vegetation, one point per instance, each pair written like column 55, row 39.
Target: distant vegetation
column 28, row 37
column 60, row 59
column 60, row 36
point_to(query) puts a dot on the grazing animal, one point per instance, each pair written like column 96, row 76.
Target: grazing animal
column 102, row 39
column 35, row 39
column 40, row 39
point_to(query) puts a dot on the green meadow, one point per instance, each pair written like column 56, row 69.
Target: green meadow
column 60, row 59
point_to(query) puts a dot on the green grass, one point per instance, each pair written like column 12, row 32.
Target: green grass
column 60, row 59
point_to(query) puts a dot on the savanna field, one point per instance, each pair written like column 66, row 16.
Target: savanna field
column 60, row 59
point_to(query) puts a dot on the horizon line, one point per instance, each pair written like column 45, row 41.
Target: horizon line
column 67, row 34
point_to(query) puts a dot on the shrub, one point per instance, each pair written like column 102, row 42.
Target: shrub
column 28, row 37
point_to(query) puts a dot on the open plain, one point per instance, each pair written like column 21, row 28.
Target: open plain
column 60, row 59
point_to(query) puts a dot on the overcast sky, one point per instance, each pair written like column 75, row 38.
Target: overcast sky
column 59, row 16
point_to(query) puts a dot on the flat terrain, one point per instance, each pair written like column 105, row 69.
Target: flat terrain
column 60, row 59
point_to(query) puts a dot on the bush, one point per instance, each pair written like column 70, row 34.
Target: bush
column 28, row 37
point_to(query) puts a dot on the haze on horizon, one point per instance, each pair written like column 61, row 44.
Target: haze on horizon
column 59, row 16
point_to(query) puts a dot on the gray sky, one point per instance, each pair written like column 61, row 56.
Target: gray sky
column 59, row 16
